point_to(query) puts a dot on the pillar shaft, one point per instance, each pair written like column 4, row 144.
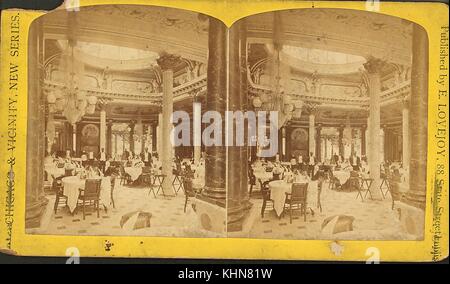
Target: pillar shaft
column 109, row 139
column 102, row 129
column 167, row 63
column 237, row 189
column 363, row 141
column 312, row 136
column 35, row 196
column 405, row 135
column 215, row 161
column 418, row 119
column 132, row 124
column 318, row 144
column 373, row 67
column 341, row 141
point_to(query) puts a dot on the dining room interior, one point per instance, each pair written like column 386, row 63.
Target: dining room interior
column 106, row 93
column 349, row 89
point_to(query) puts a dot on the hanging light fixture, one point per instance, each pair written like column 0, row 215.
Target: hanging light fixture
column 277, row 99
column 73, row 102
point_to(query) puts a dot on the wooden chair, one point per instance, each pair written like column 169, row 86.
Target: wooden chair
column 125, row 178
column 90, row 196
column 58, row 187
column 296, row 199
column 188, row 190
column 251, row 180
column 265, row 191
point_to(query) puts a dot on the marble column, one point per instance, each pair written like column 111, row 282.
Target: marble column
column 167, row 62
column 237, row 189
column 131, row 139
column 341, row 140
column 406, row 145
column 312, row 132
column 373, row 67
column 109, row 138
column 36, row 201
column 102, row 128
column 382, row 144
column 363, row 140
column 115, row 144
column 154, row 137
column 159, row 135
column 197, row 131
column 318, row 143
column 216, row 96
column 418, row 120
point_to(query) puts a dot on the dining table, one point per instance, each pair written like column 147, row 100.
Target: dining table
column 134, row 172
column 342, row 176
column 73, row 184
column 279, row 188
column 54, row 172
column 262, row 174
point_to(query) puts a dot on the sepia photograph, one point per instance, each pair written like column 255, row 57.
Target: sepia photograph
column 105, row 82
column 131, row 111
column 350, row 89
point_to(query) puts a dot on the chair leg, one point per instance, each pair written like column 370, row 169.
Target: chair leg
column 251, row 189
column 290, row 212
column 263, row 208
column 56, row 203
column 84, row 210
column 98, row 209
column 185, row 203
column 112, row 201
column 304, row 211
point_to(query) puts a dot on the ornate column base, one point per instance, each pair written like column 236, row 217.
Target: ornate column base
column 412, row 219
column 237, row 216
column 415, row 198
column 212, row 217
column 34, row 212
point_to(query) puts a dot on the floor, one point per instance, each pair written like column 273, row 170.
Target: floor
column 167, row 217
column 373, row 220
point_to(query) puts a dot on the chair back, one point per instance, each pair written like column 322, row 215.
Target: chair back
column 146, row 170
column 187, row 186
column 68, row 172
column 298, row 192
column 92, row 189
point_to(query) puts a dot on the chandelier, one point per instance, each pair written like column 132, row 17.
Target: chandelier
column 69, row 99
column 277, row 99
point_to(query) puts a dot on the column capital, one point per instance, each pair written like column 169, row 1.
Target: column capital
column 374, row 65
column 312, row 108
column 168, row 61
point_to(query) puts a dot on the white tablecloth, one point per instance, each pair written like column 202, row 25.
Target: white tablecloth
column 279, row 188
column 54, row 172
column 262, row 174
column 134, row 172
column 342, row 176
column 72, row 185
